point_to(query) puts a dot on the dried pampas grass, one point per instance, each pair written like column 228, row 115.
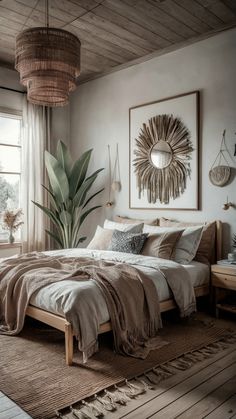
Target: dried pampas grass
column 12, row 220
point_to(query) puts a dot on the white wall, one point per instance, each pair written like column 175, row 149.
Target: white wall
column 8, row 99
column 100, row 116
column 60, row 126
column 10, row 78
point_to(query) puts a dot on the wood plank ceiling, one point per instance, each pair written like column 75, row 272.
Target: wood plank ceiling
column 116, row 33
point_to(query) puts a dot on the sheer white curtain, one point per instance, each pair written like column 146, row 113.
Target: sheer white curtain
column 35, row 139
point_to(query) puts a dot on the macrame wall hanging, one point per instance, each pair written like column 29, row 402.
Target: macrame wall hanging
column 114, row 182
column 163, row 150
column 220, row 171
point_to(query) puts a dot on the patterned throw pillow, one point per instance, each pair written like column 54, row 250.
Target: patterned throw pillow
column 126, row 242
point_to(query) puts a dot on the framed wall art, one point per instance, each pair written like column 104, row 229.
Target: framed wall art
column 164, row 150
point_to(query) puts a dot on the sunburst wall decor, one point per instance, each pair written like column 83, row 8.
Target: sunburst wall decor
column 163, row 150
column 164, row 154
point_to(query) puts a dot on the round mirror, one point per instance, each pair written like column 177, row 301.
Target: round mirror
column 161, row 154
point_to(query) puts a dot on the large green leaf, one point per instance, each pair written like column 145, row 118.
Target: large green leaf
column 49, row 213
column 82, row 191
column 52, row 198
column 91, row 197
column 78, row 172
column 55, row 237
column 69, row 205
column 64, row 158
column 57, row 177
column 86, row 213
column 95, row 173
column 65, row 218
column 75, row 226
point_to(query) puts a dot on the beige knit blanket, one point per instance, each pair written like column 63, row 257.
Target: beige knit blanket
column 130, row 295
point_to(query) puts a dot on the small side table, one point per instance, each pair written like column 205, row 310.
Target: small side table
column 223, row 277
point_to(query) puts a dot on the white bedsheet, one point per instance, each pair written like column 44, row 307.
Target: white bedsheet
column 60, row 296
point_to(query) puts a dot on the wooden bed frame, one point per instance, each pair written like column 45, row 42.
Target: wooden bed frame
column 62, row 324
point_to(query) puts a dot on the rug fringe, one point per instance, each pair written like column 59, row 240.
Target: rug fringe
column 116, row 395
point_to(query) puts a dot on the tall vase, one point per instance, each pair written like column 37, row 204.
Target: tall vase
column 11, row 238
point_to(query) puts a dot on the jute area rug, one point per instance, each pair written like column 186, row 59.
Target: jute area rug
column 33, row 371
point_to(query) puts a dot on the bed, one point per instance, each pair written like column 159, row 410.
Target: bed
column 52, row 314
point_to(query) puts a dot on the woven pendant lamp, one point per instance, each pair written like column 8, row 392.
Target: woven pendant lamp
column 48, row 60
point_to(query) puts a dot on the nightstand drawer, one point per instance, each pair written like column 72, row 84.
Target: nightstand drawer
column 223, row 281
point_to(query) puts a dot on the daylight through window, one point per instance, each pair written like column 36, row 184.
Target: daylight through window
column 10, row 166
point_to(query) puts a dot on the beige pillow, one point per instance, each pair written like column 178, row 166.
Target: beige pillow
column 161, row 245
column 186, row 246
column 127, row 220
column 206, row 249
column 101, row 239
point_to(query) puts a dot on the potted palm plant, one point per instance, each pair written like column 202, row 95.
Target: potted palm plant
column 68, row 189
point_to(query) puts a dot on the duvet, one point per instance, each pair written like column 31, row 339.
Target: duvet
column 59, row 266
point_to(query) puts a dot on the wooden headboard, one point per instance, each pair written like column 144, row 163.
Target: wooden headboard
column 219, row 240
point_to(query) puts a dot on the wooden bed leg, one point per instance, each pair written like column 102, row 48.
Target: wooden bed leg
column 69, row 344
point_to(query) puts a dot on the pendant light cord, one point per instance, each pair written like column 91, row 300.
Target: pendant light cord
column 27, row 18
column 84, row 14
column 221, row 156
column 109, row 165
column 116, row 171
column 46, row 14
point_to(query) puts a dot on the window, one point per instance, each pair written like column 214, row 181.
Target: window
column 10, row 165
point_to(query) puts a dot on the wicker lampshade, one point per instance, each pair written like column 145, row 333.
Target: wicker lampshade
column 48, row 60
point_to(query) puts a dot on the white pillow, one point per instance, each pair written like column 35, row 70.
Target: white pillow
column 101, row 239
column 112, row 225
column 186, row 247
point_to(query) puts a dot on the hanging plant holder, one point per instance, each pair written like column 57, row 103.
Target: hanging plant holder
column 114, row 179
column 116, row 182
column 219, row 173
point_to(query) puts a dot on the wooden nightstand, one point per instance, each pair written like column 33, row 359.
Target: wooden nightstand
column 223, row 278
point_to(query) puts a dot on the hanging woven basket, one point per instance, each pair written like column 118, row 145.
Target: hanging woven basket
column 219, row 175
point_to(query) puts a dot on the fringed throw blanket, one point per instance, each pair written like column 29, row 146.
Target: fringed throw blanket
column 130, row 295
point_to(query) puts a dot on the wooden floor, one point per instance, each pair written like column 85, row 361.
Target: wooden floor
column 9, row 409
column 207, row 390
